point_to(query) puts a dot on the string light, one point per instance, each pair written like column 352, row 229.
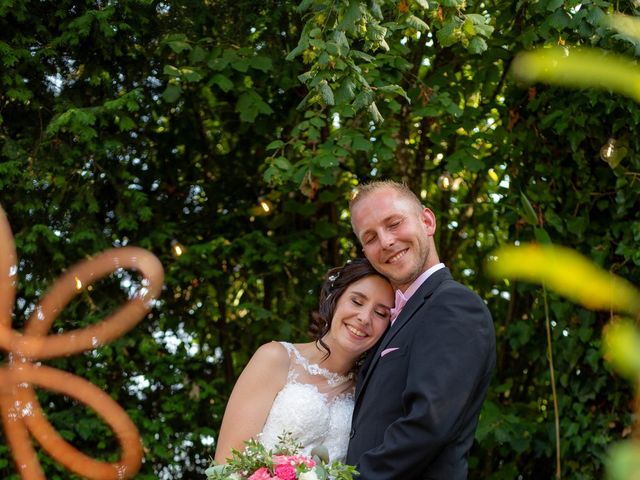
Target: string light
column 264, row 207
column 78, row 283
column 177, row 248
column 608, row 150
column 444, row 181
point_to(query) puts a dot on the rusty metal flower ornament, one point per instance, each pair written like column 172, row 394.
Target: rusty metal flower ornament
column 20, row 410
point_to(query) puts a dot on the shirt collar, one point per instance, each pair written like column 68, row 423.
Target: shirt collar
column 413, row 288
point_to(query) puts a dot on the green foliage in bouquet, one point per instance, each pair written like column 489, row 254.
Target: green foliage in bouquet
column 284, row 462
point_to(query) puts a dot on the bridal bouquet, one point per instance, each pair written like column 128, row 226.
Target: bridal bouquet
column 284, row 462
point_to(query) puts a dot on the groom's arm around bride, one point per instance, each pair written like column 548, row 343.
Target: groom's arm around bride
column 419, row 394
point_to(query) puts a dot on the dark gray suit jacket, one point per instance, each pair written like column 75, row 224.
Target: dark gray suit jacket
column 417, row 407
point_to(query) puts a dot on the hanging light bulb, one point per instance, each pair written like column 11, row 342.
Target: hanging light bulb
column 444, row 181
column 608, row 150
column 263, row 208
column 614, row 151
column 266, row 205
column 177, row 248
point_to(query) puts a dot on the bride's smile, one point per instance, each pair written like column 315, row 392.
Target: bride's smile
column 356, row 332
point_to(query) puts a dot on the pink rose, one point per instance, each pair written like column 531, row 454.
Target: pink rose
column 293, row 460
column 301, row 459
column 262, row 474
column 285, row 472
column 282, row 459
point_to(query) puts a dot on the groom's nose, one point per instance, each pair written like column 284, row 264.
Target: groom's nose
column 387, row 239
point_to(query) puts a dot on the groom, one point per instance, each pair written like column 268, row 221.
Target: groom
column 419, row 393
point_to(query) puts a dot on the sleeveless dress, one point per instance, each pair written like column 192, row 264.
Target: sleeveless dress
column 314, row 405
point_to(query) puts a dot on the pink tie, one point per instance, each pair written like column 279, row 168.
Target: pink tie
column 401, row 300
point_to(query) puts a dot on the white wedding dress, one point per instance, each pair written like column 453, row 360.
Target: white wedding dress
column 315, row 406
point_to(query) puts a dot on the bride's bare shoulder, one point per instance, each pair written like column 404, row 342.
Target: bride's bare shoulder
column 272, row 354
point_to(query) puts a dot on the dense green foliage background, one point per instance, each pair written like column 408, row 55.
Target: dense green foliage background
column 149, row 123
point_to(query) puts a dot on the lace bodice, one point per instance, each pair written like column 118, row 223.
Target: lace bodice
column 315, row 406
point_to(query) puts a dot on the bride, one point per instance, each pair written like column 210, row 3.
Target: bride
column 306, row 389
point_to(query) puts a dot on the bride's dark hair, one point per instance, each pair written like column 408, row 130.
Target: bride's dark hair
column 336, row 281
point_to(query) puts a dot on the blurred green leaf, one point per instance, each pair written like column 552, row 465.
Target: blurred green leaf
column 564, row 271
column 623, row 462
column 622, row 347
column 625, row 24
column 580, row 68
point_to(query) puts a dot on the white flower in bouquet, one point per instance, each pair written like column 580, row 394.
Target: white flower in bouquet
column 310, row 475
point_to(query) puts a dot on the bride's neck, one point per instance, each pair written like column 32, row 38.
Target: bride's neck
column 336, row 362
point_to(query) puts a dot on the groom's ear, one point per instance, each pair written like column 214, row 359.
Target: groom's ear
column 428, row 219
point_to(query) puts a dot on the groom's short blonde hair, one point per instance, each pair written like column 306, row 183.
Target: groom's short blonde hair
column 363, row 191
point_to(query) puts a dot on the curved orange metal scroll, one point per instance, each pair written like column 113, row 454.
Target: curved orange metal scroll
column 21, row 411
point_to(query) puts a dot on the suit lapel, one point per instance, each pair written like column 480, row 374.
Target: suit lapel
column 413, row 305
